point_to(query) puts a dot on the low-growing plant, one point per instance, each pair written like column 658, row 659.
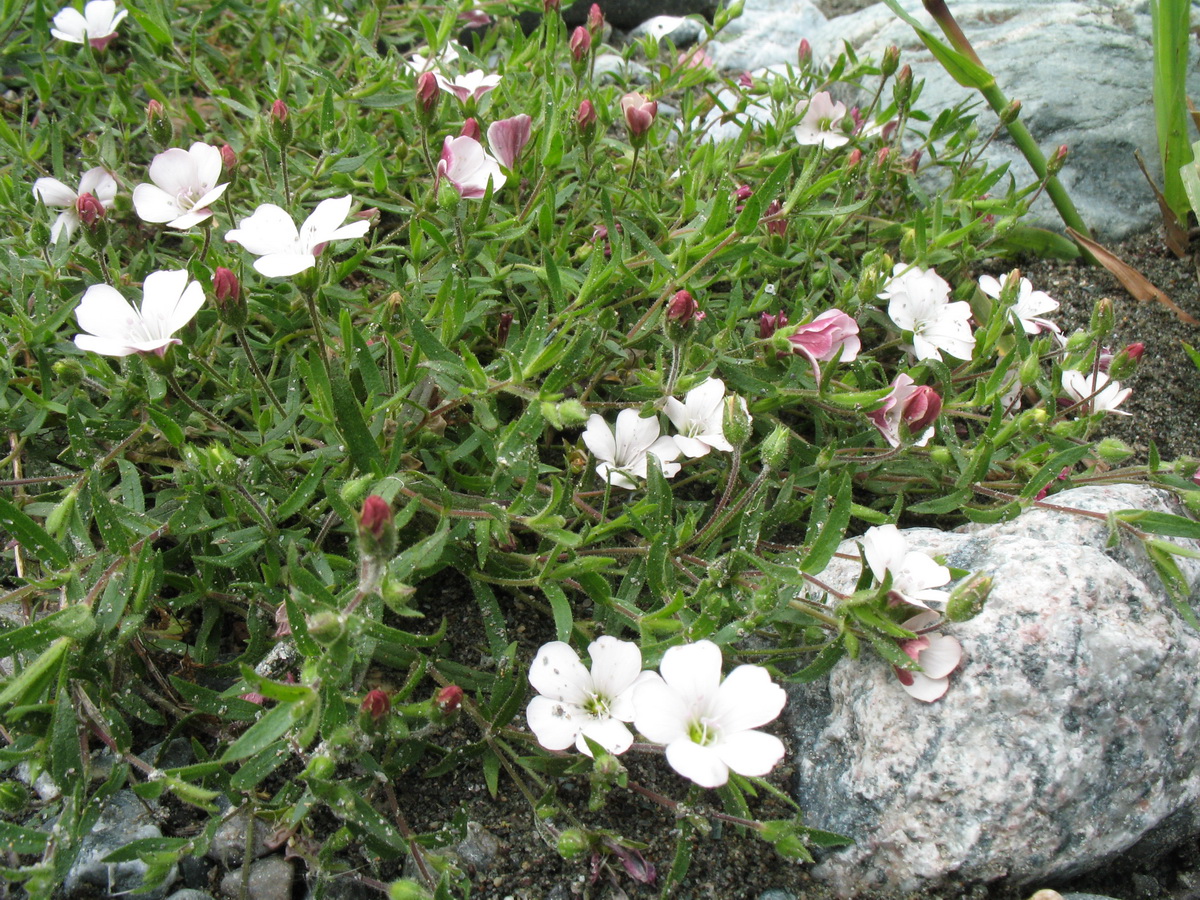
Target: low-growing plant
column 334, row 345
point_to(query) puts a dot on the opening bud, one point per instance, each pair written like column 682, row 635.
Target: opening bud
column 1010, row 113
column 1103, row 317
column 580, row 43
column 804, row 53
column 595, row 20
column 902, row 87
column 470, row 128
column 1126, row 361
column 376, row 705
column 585, row 122
column 890, row 62
column 1055, row 163
column 968, row 599
column 227, row 291
column 639, row 113
column 771, row 218
column 735, row 420
column 448, row 699
column 281, row 128
column 158, row 124
column 90, row 209
column 376, row 529
column 429, row 95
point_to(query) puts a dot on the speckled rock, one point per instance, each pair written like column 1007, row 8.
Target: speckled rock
column 1070, row 733
column 123, row 819
column 270, row 879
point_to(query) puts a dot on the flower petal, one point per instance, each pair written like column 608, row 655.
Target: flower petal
column 104, row 313
column 207, row 162
column 323, row 221
column 750, row 752
column 556, row 672
column 925, row 688
column 53, row 192
column 284, row 265
column 100, row 183
column 694, row 670
column 660, row 713
column 268, row 230
column 174, row 171
column 941, row 657
column 634, row 435
column 616, row 665
column 611, row 734
column 153, row 204
column 702, row 765
column 598, row 438
column 163, row 303
column 69, row 25
column 554, row 723
column 746, row 699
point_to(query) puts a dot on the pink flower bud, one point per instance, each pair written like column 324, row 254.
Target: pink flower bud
column 804, row 53
column 914, row 406
column 914, row 161
column 503, row 327
column 580, row 43
column 1134, row 351
column 768, row 324
column 770, row 218
column 746, row 81
column 226, row 286
column 742, row 193
column 470, row 128
column 639, row 114
column 881, row 157
column 375, row 517
column 551, row 5
column 854, row 158
column 832, row 333
column 595, row 19
column 90, row 209
column 921, row 409
column 229, row 158
column 154, row 110
column 279, row 111
column 684, row 309
column 585, row 117
column 428, row 93
column 448, row 699
column 376, row 704
column 1055, row 163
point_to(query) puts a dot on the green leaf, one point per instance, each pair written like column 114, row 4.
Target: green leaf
column 359, row 441
column 821, row 665
column 18, row 839
column 273, row 725
column 560, row 608
column 833, row 530
column 32, row 537
column 25, row 686
column 1160, row 523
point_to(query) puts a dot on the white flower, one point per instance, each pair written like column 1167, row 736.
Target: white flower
column 97, row 24
column 919, row 301
column 169, row 301
column 271, row 235
column 473, row 84
column 936, row 654
column 1096, row 393
column 419, row 63
column 98, row 182
column 700, row 419
column 573, row 703
column 821, row 123
column 914, row 574
column 623, row 456
column 1029, row 307
column 708, row 724
column 185, row 186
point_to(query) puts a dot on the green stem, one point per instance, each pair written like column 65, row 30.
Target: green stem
column 196, row 407
column 258, row 373
column 318, row 332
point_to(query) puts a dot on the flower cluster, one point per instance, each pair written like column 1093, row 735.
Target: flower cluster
column 707, row 726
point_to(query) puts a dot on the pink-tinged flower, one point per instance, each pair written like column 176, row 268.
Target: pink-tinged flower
column 282, row 250
column 169, row 301
column 97, row 182
column 832, row 333
column 768, row 324
column 1095, row 393
column 447, row 55
column 96, row 25
column 580, row 43
column 639, row 113
column 708, row 725
column 914, row 574
column 508, row 137
column 745, row 81
column 280, row 112
column 185, row 186
column 1030, row 305
column 226, row 287
column 376, row 704
column 574, row 703
column 471, row 86
column 623, row 455
column 771, row 218
column 470, row 128
column 585, row 117
column 467, row 166
column 936, row 654
column 821, row 122
column 684, row 309
column 595, row 19
column 919, row 301
column 428, row 93
column 914, row 406
column 804, row 53
column 700, row 419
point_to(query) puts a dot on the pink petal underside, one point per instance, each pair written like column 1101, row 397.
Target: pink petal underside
column 702, row 765
column 751, row 752
column 557, row 672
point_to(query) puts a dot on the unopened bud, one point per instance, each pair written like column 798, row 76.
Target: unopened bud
column 502, row 328
column 1113, row 451
column 376, row 705
column 890, row 62
column 595, row 20
column 736, row 423
column 227, row 291
column 580, row 43
column 585, row 122
column 158, row 124
column 551, row 5
column 281, row 128
column 804, row 53
column 771, row 218
column 967, row 600
column 902, row 87
column 1055, row 163
column 429, row 95
column 229, row 159
column 854, row 158
column 470, row 128
column 90, row 209
column 1009, row 114
column 1125, row 363
column 325, row 627
column 684, row 309
column 68, row 371
column 571, row 843
column 776, row 447
column 746, row 81
column 376, row 529
column 448, row 699
column 1103, row 317
column 768, row 324
column 407, row 889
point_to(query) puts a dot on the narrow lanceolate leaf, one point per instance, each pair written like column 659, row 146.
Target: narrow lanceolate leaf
column 32, row 537
column 360, row 443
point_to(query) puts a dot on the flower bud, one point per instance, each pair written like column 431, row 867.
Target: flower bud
column 407, row 889
column 914, row 161
column 376, row 529
column 902, row 87
column 320, row 766
column 1055, row 163
column 775, row 448
column 639, row 114
column 745, row 81
column 595, row 20
column 502, row 328
column 227, row 291
column 551, row 5
column 743, row 193
column 90, row 209
column 736, row 423
column 376, row 705
column 158, row 124
column 890, row 62
column 281, row 128
column 68, row 371
column 572, row 843
column 229, row 160
column 775, row 225
column 585, row 122
column 429, row 95
column 1103, row 317
column 967, row 600
column 1113, row 451
column 854, row 158
column 580, row 43
column 326, row 627
column 470, row 128
column 804, row 53
column 684, row 309
column 1125, row 363
column 921, row 409
column 1009, row 114
column 448, row 699
column 768, row 324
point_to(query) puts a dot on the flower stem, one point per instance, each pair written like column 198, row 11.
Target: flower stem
column 311, row 301
column 258, row 373
column 196, row 407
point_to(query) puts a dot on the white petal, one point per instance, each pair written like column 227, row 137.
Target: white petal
column 284, row 265
column 207, row 161
column 616, row 665
column 990, row 285
column 884, row 547
column 190, row 218
column 163, row 304
column 556, row 672
column 351, row 230
column 153, row 204
column 925, row 688
column 211, row 197
column 106, row 314
column 324, row 221
column 702, row 765
column 694, row 670
column 610, row 734
column 269, row 230
column 53, row 192
column 67, row 220
column 659, row 712
column 634, row 435
column 69, row 25
column 104, row 346
column 99, row 182
column 941, row 657
column 554, row 723
column 691, row 447
column 747, row 698
column 174, row 171
column 666, row 450
column 598, row 438
column 99, row 15
column 750, row 752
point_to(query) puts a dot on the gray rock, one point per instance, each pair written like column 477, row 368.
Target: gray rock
column 122, row 820
column 228, row 845
column 680, row 32
column 190, row 894
column 776, row 894
column 611, row 67
column 270, row 879
column 1069, row 733
column 1089, row 88
column 477, row 851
